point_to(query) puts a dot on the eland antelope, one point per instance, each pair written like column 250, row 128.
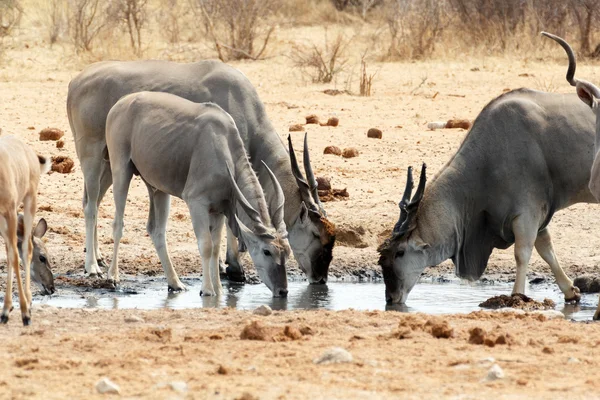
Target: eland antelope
column 95, row 90
column 20, row 170
column 194, row 151
column 527, row 156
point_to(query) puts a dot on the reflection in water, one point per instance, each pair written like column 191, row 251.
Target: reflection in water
column 313, row 296
column 398, row 307
column 432, row 298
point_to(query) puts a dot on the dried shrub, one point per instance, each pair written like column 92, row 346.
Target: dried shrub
column 169, row 20
column 321, row 64
column 586, row 13
column 415, row 27
column 87, row 19
column 11, row 12
column 239, row 29
column 56, row 19
column 366, row 80
column 134, row 16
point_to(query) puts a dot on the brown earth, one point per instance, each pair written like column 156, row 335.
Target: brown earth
column 229, row 354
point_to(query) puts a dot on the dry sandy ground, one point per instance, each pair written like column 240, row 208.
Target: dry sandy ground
column 394, row 355
column 33, row 95
column 67, row 351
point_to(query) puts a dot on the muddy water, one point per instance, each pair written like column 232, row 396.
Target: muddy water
column 428, row 297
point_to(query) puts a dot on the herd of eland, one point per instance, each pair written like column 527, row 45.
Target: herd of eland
column 199, row 132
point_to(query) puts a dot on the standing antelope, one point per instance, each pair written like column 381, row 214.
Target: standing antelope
column 20, row 170
column 527, row 156
column 589, row 94
column 95, row 90
column 194, row 151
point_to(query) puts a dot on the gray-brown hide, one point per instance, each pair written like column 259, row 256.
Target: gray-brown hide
column 527, row 156
column 95, row 90
column 41, row 268
column 20, row 170
column 193, row 151
column 589, row 94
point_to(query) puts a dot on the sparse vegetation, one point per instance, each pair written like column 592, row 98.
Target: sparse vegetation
column 366, row 80
column 11, row 12
column 321, row 64
column 87, row 19
column 239, row 29
column 133, row 14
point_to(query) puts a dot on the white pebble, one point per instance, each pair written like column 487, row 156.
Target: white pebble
column 334, row 355
column 550, row 314
column 494, row 373
column 573, row 360
column 436, row 125
column 263, row 310
column 105, row 385
column 134, row 318
column 179, row 386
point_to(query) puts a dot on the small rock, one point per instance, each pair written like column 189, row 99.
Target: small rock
column 263, row 310
column 51, row 134
column 134, row 318
column 323, row 183
column 179, row 386
column 333, row 121
column 350, row 152
column 548, row 350
column 60, row 144
column 334, row 355
column 573, row 360
column 292, row 333
column 312, row 119
column 255, row 331
column 105, row 385
column 476, row 336
column 333, row 150
column 31, row 128
column 62, row 164
column 375, row 133
column 458, row 123
column 297, row 128
column 494, row 373
column 222, row 370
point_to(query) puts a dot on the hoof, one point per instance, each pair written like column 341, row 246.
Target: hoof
column 596, row 316
column 575, row 298
column 207, row 293
column 177, row 289
column 235, row 275
column 4, row 319
column 26, row 321
column 102, row 263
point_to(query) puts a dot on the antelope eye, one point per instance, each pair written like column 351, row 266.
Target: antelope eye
column 43, row 259
column 267, row 253
column 399, row 253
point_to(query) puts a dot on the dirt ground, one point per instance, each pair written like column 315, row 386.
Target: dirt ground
column 394, row 355
column 67, row 351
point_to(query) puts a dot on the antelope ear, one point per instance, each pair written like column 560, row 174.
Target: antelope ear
column 587, row 92
column 303, row 212
column 419, row 244
column 40, row 228
column 248, row 237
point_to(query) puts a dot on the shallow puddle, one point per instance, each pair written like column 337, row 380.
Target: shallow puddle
column 427, row 297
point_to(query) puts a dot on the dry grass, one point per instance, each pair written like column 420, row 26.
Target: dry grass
column 187, row 30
